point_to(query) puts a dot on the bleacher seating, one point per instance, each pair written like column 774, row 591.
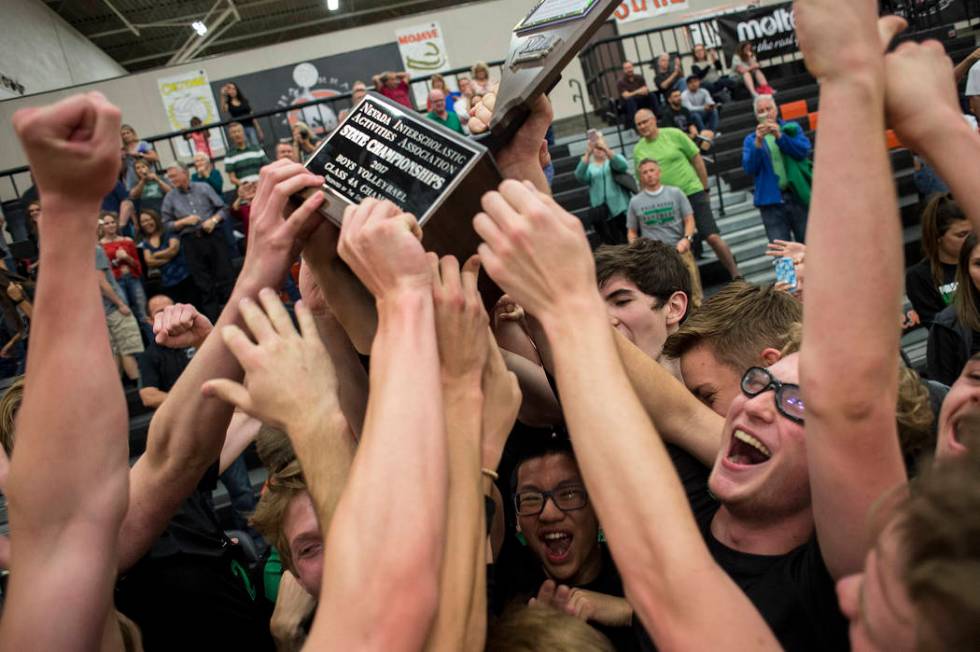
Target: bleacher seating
column 740, row 223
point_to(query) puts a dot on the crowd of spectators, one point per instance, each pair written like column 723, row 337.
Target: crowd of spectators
column 604, row 460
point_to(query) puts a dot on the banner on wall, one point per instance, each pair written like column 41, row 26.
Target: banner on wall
column 185, row 96
column 297, row 83
column 771, row 29
column 423, row 52
column 639, row 9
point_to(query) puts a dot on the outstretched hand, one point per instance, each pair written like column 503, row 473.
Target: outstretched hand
column 277, row 230
column 920, row 92
column 839, row 40
column 382, row 245
column 180, row 326
column 535, row 250
column 72, row 147
column 785, row 249
column 522, row 158
column 461, row 321
column 583, row 604
column 289, row 377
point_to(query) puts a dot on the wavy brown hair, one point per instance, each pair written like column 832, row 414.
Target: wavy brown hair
column 967, row 298
column 939, row 215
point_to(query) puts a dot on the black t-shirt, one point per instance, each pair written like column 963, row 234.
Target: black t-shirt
column 518, row 575
column 660, row 78
column 160, row 366
column 195, row 529
column 630, row 84
column 242, row 109
column 794, row 593
column 680, row 118
column 928, row 297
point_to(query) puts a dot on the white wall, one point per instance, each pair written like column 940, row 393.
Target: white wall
column 473, row 31
column 43, row 52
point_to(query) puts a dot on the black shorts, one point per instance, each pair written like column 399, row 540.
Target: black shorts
column 704, row 218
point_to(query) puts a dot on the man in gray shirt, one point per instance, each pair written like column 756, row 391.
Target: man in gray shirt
column 195, row 212
column 663, row 213
column 704, row 110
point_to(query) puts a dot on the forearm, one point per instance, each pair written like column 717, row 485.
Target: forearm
column 66, row 490
column 954, row 152
column 352, row 379
column 849, row 368
column 186, row 436
column 465, row 529
column 679, row 417
column 631, row 235
column 689, row 225
column 108, row 292
column 963, row 67
column 666, row 568
column 701, row 169
column 401, row 467
column 325, row 449
column 539, row 406
column 152, row 397
column 349, row 301
column 852, row 145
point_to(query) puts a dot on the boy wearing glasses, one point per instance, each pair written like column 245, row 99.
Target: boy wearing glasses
column 561, row 560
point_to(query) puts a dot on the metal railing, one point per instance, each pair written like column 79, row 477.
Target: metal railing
column 321, row 114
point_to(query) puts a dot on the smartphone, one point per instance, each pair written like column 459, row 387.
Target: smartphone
column 786, row 272
column 593, row 136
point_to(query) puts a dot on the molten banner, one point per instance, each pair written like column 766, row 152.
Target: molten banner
column 770, row 29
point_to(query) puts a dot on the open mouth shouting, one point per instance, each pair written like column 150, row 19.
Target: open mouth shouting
column 557, row 545
column 746, row 450
column 966, row 429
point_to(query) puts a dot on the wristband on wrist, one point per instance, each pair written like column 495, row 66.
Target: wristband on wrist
column 490, row 473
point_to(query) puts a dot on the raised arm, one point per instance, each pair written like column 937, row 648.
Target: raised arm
column 67, row 488
column 399, row 481
column 683, row 598
column 848, row 370
column 928, row 118
column 462, row 327
column 187, row 433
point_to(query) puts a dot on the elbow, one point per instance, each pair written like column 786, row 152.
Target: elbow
column 856, row 394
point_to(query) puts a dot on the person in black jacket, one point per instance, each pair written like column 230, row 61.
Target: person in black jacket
column 931, row 283
column 954, row 335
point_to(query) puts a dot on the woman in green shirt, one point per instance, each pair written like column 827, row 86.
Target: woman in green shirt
column 609, row 200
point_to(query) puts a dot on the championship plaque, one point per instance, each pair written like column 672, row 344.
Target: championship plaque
column 386, row 151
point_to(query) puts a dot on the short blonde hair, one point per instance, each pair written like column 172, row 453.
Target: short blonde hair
column 524, row 628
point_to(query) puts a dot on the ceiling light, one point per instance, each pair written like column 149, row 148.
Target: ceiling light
column 199, row 27
column 333, row 5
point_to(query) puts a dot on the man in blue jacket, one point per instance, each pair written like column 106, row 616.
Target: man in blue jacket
column 764, row 157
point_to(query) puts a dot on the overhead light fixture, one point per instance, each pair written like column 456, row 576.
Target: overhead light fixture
column 199, row 27
column 333, row 5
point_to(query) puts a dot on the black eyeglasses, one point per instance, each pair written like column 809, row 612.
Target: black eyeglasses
column 789, row 401
column 567, row 499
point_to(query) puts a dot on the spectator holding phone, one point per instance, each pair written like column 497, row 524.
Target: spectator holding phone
column 134, row 149
column 233, row 102
column 768, row 155
column 608, row 200
column 126, row 268
column 150, row 188
column 205, row 172
column 304, row 140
